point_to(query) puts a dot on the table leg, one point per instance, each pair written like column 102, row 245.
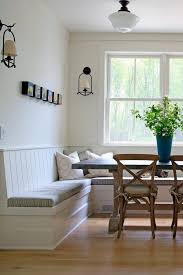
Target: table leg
column 114, row 219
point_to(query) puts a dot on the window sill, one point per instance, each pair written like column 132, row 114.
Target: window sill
column 134, row 144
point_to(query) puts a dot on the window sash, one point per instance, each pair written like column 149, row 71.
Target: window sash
column 164, row 86
column 110, row 57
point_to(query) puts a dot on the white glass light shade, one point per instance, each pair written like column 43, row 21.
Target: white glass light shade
column 123, row 21
column 9, row 48
column 84, row 83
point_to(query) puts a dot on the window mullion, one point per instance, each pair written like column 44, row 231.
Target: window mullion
column 133, row 125
column 164, row 75
column 107, row 102
column 107, row 121
column 109, row 77
column 134, row 94
column 135, row 66
column 168, row 74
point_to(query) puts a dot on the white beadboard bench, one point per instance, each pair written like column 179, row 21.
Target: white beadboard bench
column 24, row 170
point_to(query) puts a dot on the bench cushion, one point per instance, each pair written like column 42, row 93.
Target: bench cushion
column 110, row 181
column 102, row 181
column 50, row 195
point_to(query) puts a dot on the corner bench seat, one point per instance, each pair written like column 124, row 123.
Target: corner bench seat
column 110, row 180
column 58, row 191
column 49, row 195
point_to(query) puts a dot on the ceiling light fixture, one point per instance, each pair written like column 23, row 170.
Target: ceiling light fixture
column 123, row 20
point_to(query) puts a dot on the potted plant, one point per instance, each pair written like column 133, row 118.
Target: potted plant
column 163, row 120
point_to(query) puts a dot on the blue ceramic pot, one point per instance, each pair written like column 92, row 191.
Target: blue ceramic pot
column 164, row 145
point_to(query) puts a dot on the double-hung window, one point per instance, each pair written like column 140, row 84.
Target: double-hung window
column 135, row 82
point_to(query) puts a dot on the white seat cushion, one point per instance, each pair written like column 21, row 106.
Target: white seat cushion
column 180, row 190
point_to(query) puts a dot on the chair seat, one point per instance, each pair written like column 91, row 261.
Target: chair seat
column 180, row 190
column 138, row 189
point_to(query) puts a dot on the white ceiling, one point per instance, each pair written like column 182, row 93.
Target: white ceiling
column 92, row 15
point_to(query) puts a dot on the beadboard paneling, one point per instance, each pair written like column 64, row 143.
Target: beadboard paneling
column 3, row 193
column 29, row 169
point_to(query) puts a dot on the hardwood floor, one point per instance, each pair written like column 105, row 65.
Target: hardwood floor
column 90, row 250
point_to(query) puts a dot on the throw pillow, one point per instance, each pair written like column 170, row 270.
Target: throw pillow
column 99, row 172
column 82, row 156
column 64, row 165
column 81, row 153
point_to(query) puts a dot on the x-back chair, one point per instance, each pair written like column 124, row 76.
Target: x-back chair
column 137, row 189
column 176, row 191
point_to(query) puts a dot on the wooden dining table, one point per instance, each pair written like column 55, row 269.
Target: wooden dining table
column 111, row 165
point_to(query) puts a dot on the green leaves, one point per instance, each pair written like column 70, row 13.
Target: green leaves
column 162, row 119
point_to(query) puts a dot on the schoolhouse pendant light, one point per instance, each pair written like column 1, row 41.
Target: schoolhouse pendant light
column 123, row 20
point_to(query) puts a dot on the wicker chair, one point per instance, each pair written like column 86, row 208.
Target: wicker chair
column 176, row 191
column 137, row 189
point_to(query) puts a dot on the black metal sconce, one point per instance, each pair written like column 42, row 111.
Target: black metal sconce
column 9, row 49
column 85, row 82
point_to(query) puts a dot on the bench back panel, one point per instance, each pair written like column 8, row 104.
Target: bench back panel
column 29, row 169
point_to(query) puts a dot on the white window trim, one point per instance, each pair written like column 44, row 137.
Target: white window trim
column 164, row 88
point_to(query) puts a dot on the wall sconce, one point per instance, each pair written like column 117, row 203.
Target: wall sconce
column 9, row 49
column 85, row 82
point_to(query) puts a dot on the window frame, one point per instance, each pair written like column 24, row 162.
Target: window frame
column 164, row 90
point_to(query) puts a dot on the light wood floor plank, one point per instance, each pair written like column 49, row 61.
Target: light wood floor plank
column 90, row 250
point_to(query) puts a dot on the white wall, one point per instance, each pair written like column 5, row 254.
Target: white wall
column 87, row 49
column 42, row 44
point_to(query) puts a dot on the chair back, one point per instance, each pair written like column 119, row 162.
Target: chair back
column 148, row 162
column 177, row 163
